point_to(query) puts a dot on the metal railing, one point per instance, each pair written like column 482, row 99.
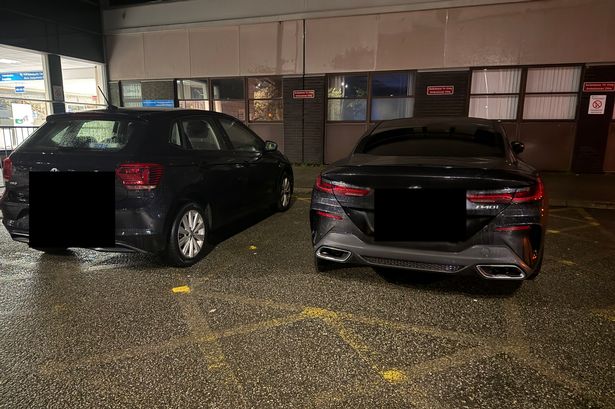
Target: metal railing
column 12, row 136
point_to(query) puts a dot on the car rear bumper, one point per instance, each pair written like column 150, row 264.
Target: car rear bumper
column 490, row 261
column 145, row 234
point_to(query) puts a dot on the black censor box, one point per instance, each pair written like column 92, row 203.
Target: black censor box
column 420, row 215
column 72, row 209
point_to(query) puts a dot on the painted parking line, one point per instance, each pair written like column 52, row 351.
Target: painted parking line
column 402, row 379
column 181, row 289
column 608, row 312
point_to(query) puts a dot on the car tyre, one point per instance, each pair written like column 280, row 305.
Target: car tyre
column 187, row 241
column 284, row 193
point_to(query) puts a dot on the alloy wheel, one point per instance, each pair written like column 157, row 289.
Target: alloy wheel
column 191, row 234
column 285, row 192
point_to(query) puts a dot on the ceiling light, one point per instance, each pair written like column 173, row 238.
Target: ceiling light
column 7, row 61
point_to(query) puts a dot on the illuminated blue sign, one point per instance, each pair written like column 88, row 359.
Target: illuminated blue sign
column 158, row 103
column 20, row 89
column 21, row 76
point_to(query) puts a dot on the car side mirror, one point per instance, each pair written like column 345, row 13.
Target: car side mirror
column 270, row 146
column 517, row 147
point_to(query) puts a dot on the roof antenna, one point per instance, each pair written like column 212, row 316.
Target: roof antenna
column 110, row 106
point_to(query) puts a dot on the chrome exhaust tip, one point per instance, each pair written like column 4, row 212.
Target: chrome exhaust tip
column 333, row 254
column 501, row 272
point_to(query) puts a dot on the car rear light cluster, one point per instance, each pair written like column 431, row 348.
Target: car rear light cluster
column 341, row 189
column 7, row 169
column 522, row 227
column 524, row 195
column 328, row 215
column 139, row 176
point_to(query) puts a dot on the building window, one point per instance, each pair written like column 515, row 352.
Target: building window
column 82, row 84
column 24, row 99
column 494, row 93
column 347, row 98
column 193, row 94
column 551, row 93
column 229, row 97
column 392, row 96
column 131, row 94
column 265, row 99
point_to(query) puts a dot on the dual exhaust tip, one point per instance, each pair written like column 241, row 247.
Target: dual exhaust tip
column 333, row 254
column 492, row 272
column 501, row 272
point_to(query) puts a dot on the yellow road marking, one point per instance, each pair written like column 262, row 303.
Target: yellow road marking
column 257, row 326
column 585, row 226
column 181, row 289
column 394, row 376
column 608, row 313
column 552, row 231
column 212, row 352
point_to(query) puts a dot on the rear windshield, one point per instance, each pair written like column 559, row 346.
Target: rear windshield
column 83, row 135
column 476, row 142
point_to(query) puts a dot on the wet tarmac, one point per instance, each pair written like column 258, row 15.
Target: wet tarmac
column 254, row 325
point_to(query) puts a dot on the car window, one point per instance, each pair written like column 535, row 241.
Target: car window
column 241, row 138
column 175, row 137
column 201, row 135
column 433, row 142
column 83, row 134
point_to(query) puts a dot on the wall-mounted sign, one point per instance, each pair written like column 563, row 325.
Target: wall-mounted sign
column 440, row 90
column 21, row 76
column 158, row 103
column 596, row 104
column 304, row 93
column 22, row 115
column 599, row 86
column 20, row 89
column 57, row 92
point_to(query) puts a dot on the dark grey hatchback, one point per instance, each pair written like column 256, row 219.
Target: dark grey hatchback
column 446, row 195
column 178, row 174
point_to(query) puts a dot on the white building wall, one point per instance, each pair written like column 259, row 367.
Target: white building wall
column 526, row 33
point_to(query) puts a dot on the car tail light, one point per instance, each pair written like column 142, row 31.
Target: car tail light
column 323, row 185
column 328, row 215
column 513, row 228
column 7, row 169
column 530, row 194
column 341, row 189
column 139, row 176
column 523, row 195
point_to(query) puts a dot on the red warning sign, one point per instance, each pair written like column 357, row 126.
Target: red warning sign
column 304, row 93
column 599, row 86
column 440, row 90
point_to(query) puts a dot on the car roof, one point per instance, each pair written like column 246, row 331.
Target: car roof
column 133, row 113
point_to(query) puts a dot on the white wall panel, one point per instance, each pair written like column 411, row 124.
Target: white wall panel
column 125, row 56
column 341, row 44
column 165, row 54
column 214, row 51
column 270, row 48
